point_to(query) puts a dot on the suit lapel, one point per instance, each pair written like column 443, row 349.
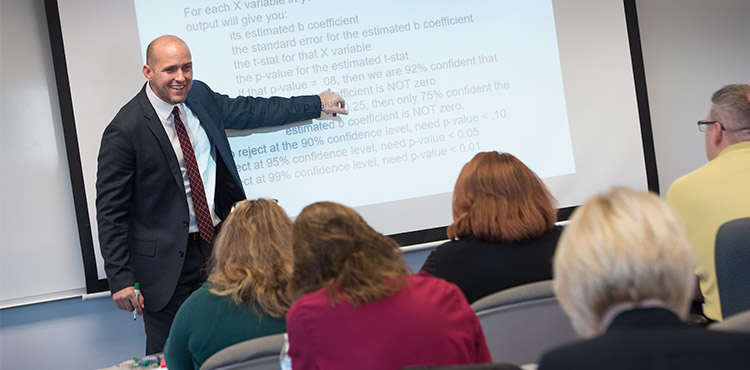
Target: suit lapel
column 214, row 136
column 204, row 117
column 154, row 124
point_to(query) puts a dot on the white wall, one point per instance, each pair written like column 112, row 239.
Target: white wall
column 691, row 48
column 36, row 207
column 35, row 183
column 69, row 334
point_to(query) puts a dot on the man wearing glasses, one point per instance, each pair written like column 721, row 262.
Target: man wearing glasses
column 718, row 191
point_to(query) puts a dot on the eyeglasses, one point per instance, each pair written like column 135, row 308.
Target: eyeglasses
column 237, row 203
column 702, row 125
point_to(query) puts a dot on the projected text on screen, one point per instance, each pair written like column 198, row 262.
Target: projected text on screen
column 427, row 84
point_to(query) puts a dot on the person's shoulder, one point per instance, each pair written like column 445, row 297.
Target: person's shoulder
column 629, row 348
column 199, row 297
column 555, row 359
column 203, row 291
column 433, row 286
column 711, row 171
column 312, row 301
column 686, row 184
column 440, row 254
column 200, row 85
column 737, row 340
column 199, row 90
column 132, row 110
column 458, row 245
column 568, row 356
column 195, row 306
column 552, row 233
column 423, row 280
column 446, row 247
column 201, row 93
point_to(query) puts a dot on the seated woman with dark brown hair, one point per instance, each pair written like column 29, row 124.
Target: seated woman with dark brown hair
column 358, row 308
column 246, row 293
column 503, row 232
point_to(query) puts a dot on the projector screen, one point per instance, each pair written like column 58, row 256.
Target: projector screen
column 427, row 85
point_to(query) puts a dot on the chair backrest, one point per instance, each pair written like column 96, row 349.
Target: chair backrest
column 732, row 259
column 523, row 322
column 466, row 367
column 739, row 322
column 254, row 354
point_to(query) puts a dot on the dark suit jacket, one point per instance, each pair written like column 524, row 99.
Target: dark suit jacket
column 142, row 210
column 653, row 338
column 481, row 268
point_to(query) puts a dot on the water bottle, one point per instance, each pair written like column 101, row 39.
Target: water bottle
column 284, row 360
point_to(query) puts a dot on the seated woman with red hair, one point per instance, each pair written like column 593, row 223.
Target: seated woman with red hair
column 503, row 232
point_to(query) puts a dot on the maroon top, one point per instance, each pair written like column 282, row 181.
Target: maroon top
column 428, row 323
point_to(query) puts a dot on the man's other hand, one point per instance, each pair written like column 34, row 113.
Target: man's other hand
column 125, row 300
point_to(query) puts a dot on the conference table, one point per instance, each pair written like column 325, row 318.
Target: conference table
column 146, row 362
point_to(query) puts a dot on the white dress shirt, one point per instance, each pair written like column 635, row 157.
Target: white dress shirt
column 205, row 153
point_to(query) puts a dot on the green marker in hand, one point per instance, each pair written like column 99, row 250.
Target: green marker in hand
column 137, row 294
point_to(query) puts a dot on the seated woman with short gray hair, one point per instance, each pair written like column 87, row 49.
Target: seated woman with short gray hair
column 623, row 272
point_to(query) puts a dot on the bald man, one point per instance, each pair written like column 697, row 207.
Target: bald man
column 166, row 179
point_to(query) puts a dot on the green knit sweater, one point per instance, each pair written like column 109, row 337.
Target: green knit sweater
column 207, row 323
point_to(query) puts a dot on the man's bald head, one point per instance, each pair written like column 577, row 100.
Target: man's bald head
column 161, row 43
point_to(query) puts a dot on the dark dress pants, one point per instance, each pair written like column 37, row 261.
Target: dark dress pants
column 193, row 274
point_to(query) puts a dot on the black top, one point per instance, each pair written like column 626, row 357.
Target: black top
column 481, row 268
column 654, row 339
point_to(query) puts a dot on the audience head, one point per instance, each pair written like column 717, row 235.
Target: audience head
column 731, row 111
column 622, row 247
column 252, row 256
column 498, row 198
column 336, row 249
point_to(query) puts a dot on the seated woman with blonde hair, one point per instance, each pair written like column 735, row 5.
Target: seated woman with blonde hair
column 358, row 308
column 245, row 296
column 624, row 275
column 503, row 232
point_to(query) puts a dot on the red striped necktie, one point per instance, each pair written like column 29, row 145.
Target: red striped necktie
column 200, row 206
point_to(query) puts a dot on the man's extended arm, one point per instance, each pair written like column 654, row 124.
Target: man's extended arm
column 247, row 112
